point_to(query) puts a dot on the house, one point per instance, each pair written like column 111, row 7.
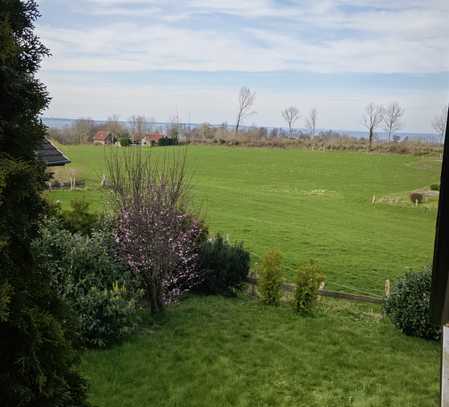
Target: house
column 50, row 154
column 104, row 137
column 151, row 139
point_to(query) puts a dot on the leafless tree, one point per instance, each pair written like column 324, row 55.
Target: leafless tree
column 114, row 125
column 138, row 127
column 392, row 119
column 311, row 122
column 439, row 122
column 290, row 115
column 372, row 119
column 246, row 102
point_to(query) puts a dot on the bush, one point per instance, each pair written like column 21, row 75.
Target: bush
column 270, row 278
column 409, row 305
column 308, row 282
column 79, row 219
column 86, row 275
column 124, row 140
column 416, row 197
column 224, row 267
column 435, row 187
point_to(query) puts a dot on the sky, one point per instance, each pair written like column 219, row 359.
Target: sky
column 162, row 58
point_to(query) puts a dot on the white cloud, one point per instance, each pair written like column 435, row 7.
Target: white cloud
column 137, row 36
column 409, row 39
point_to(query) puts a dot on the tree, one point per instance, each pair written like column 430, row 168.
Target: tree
column 311, row 122
column 290, row 115
column 114, row 125
column 392, row 119
column 84, row 130
column 372, row 119
column 156, row 236
column 246, row 102
column 138, row 127
column 37, row 365
column 439, row 122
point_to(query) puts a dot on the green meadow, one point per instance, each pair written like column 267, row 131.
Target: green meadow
column 214, row 351
column 308, row 204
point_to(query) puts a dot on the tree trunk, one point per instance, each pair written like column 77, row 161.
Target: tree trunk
column 370, row 139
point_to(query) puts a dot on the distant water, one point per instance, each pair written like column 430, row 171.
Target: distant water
column 60, row 123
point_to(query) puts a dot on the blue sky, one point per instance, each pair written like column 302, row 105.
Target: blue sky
column 162, row 58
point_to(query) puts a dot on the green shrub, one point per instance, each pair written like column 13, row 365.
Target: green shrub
column 107, row 315
column 94, row 283
column 417, row 197
column 124, row 140
column 435, row 187
column 270, row 278
column 409, row 305
column 308, row 282
column 224, row 267
column 78, row 219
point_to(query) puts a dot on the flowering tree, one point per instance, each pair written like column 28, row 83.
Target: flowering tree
column 156, row 236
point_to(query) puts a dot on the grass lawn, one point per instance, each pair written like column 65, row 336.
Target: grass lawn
column 211, row 351
column 308, row 204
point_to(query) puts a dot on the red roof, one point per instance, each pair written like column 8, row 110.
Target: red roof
column 153, row 136
column 102, row 135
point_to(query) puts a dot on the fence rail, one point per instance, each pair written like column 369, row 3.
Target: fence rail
column 289, row 288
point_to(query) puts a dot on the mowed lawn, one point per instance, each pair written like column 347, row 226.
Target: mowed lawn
column 308, row 204
column 211, row 351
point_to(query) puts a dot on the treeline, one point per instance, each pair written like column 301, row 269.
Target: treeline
column 324, row 140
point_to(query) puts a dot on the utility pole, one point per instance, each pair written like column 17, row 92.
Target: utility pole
column 440, row 270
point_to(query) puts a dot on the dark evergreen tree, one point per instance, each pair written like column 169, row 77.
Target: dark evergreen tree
column 37, row 359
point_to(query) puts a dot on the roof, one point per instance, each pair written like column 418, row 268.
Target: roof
column 102, row 135
column 153, row 136
column 51, row 155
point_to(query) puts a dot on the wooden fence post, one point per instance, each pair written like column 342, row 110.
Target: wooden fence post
column 387, row 288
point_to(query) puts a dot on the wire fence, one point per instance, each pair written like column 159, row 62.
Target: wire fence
column 353, row 289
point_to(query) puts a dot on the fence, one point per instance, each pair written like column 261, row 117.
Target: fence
column 289, row 288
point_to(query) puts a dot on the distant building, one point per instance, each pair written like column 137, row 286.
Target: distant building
column 104, row 137
column 51, row 155
column 151, row 139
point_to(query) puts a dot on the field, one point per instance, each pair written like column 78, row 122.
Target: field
column 307, row 204
column 235, row 352
column 212, row 351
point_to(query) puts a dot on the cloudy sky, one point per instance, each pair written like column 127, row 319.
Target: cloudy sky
column 190, row 57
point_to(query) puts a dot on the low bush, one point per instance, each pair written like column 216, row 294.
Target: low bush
column 435, row 187
column 308, row 282
column 124, row 140
column 409, row 305
column 269, row 276
column 417, row 197
column 224, row 267
column 87, row 275
column 78, row 219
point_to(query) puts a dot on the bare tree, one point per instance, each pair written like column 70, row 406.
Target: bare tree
column 290, row 115
column 311, row 122
column 114, row 125
column 372, row 119
column 138, row 127
column 392, row 119
column 83, row 130
column 439, row 122
column 246, row 101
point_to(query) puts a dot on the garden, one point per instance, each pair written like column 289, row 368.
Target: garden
column 167, row 303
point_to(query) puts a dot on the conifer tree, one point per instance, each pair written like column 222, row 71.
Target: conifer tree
column 37, row 359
